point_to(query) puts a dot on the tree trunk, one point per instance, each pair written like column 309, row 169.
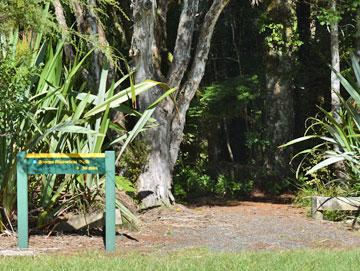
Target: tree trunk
column 154, row 184
column 279, row 85
column 60, row 17
column 335, row 63
column 88, row 23
column 197, row 71
column 227, row 138
column 335, row 81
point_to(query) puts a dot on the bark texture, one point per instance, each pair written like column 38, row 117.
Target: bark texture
column 335, row 63
column 154, row 184
column 279, row 84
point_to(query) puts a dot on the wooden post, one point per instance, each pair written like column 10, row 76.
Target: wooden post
column 110, row 234
column 65, row 163
column 315, row 212
column 22, row 202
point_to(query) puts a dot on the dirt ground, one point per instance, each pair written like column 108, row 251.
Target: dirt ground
column 239, row 225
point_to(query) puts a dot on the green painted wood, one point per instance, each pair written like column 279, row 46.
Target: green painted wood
column 65, row 166
column 22, row 202
column 110, row 201
column 93, row 163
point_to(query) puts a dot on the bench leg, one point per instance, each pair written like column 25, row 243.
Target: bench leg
column 318, row 215
column 315, row 213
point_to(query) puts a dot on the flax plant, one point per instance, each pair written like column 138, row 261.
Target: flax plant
column 44, row 109
column 336, row 138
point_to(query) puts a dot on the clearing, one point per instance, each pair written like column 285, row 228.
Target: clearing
column 234, row 227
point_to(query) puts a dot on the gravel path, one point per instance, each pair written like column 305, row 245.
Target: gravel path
column 241, row 226
column 249, row 226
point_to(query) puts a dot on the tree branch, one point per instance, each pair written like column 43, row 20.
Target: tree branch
column 196, row 74
column 202, row 51
column 182, row 50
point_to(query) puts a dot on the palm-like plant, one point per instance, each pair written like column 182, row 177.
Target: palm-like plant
column 51, row 114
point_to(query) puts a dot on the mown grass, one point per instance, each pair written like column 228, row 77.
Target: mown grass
column 191, row 260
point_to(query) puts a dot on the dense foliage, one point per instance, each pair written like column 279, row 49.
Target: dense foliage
column 45, row 107
column 331, row 166
column 199, row 174
column 229, row 135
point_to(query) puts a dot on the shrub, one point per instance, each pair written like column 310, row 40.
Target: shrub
column 192, row 183
column 335, row 138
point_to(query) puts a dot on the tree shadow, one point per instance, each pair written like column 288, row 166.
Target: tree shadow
column 255, row 197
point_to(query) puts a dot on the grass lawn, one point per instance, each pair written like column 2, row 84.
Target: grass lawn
column 191, row 260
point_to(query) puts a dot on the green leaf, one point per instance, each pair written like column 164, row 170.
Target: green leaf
column 356, row 68
column 124, row 184
column 136, row 130
column 348, row 87
column 162, row 97
column 81, row 107
column 104, row 124
column 75, row 129
column 123, row 96
column 325, row 163
column 297, row 140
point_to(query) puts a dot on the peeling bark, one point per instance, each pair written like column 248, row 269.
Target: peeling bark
column 196, row 74
column 59, row 13
column 93, row 30
column 182, row 51
column 154, row 187
column 154, row 184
